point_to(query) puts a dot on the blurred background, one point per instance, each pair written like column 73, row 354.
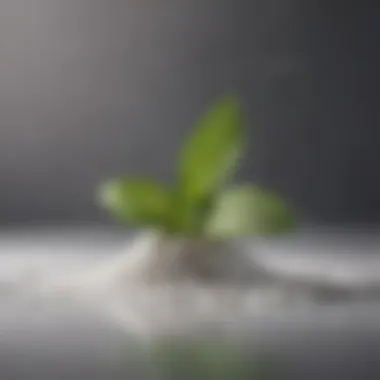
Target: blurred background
column 91, row 89
column 95, row 88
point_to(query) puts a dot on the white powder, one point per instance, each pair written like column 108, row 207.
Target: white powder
column 162, row 285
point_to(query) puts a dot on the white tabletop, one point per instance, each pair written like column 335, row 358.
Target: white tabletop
column 67, row 338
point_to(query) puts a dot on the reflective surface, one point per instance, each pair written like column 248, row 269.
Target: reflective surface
column 66, row 339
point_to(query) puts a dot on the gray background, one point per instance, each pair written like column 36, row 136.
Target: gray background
column 96, row 88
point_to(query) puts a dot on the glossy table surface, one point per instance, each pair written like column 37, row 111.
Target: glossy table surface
column 65, row 339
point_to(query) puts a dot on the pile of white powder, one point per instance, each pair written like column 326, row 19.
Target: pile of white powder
column 160, row 285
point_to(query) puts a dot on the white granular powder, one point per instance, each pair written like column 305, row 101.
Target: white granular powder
column 169, row 285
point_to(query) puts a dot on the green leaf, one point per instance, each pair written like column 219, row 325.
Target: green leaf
column 212, row 153
column 246, row 211
column 140, row 201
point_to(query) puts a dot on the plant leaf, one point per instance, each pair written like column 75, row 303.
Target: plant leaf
column 212, row 153
column 140, row 201
column 246, row 211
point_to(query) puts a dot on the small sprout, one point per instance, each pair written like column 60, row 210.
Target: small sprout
column 202, row 201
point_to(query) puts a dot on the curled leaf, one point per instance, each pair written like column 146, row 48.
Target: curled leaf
column 249, row 211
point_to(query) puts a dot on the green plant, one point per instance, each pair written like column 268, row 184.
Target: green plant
column 202, row 201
